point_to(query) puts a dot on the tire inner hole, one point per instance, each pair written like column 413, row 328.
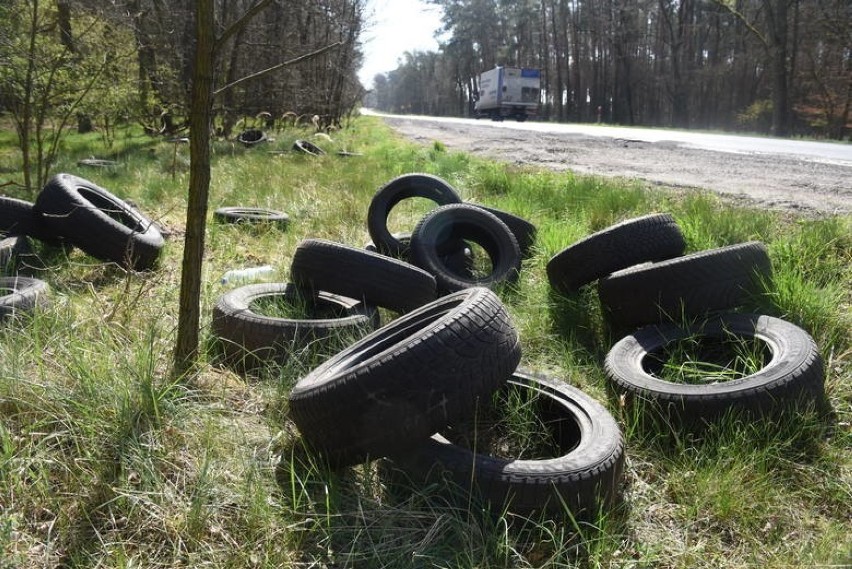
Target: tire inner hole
column 703, row 360
column 112, row 209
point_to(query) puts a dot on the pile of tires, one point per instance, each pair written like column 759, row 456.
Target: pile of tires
column 645, row 281
column 71, row 210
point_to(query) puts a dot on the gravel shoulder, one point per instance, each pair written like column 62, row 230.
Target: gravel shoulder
column 768, row 181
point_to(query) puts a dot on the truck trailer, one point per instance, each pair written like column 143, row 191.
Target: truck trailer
column 512, row 92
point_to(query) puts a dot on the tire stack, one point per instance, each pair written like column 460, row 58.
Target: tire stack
column 645, row 281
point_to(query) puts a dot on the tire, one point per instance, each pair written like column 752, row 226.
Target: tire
column 407, row 380
column 794, row 373
column 308, row 147
column 459, row 260
column 357, row 273
column 584, row 479
column 686, row 287
column 402, row 187
column 99, row 223
column 251, row 215
column 449, row 224
column 97, row 163
column 10, row 249
column 21, row 295
column 249, row 340
column 654, row 237
column 523, row 230
column 19, row 217
column 251, row 137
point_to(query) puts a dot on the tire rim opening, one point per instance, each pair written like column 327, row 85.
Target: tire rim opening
column 705, row 360
column 112, row 209
column 296, row 306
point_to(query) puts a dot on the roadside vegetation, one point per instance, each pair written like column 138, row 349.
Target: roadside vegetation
column 106, row 461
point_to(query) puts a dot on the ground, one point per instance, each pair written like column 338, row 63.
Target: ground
column 760, row 180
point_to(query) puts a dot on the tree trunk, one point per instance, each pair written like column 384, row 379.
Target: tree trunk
column 186, row 348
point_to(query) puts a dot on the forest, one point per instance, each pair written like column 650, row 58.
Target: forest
column 775, row 66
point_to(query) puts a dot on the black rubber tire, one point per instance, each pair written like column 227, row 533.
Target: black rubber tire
column 449, row 224
column 686, row 287
column 250, row 340
column 251, row 215
column 251, row 137
column 460, row 260
column 19, row 217
column 794, row 373
column 402, row 187
column 11, row 248
column 100, row 223
column 524, row 231
column 21, row 295
column 407, row 380
column 97, row 163
column 378, row 280
column 584, row 480
column 307, row 147
column 654, row 237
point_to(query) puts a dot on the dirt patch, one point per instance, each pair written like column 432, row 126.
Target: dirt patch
column 759, row 180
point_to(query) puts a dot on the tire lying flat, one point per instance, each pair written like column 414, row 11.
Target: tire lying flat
column 100, row 223
column 19, row 295
column 794, row 372
column 443, row 228
column 402, row 187
column 251, row 215
column 357, row 273
column 583, row 480
column 686, row 287
column 407, row 380
column 250, row 339
column 653, row 237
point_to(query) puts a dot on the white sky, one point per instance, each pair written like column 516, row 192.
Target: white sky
column 394, row 27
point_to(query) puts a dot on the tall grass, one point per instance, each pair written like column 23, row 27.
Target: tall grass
column 106, row 462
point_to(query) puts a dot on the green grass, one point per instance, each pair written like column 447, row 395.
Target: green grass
column 105, row 461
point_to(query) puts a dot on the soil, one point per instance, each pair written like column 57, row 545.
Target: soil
column 786, row 183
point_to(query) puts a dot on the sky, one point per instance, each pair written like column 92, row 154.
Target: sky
column 394, row 27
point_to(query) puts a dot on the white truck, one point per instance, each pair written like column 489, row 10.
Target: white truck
column 512, row 92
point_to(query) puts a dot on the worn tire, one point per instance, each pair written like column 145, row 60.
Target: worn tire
column 251, row 215
column 685, row 287
column 584, row 480
column 20, row 295
column 249, row 339
column 794, row 373
column 402, row 187
column 357, row 273
column 307, row 147
column 19, row 217
column 459, row 260
column 100, row 223
column 11, row 248
column 407, row 380
column 449, row 224
column 654, row 237
column 251, row 137
column 524, row 231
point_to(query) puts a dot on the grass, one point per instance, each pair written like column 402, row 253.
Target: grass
column 105, row 461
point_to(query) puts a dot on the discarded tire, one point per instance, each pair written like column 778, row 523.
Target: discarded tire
column 792, row 372
column 378, row 280
column 654, row 237
column 251, row 137
column 459, row 260
column 11, row 248
column 99, row 223
column 686, row 287
column 582, row 480
column 20, row 295
column 407, row 380
column 448, row 225
column 251, row 215
column 402, row 187
column 307, row 147
column 19, row 217
column 250, row 339
column 523, row 230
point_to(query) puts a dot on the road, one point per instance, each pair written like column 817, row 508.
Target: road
column 804, row 176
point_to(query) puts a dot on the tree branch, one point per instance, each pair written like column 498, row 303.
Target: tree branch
column 276, row 67
column 741, row 17
column 239, row 24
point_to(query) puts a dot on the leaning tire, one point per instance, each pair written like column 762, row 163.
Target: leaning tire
column 357, row 273
column 20, row 295
column 251, row 215
column 307, row 147
column 100, row 223
column 654, row 237
column 402, row 187
column 794, row 372
column 407, row 380
column 523, row 230
column 249, row 339
column 685, row 287
column 583, row 480
column 447, row 225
